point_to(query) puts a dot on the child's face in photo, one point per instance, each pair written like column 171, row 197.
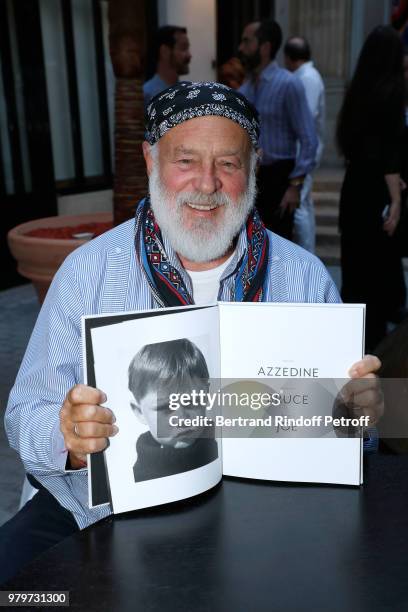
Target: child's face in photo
column 155, row 413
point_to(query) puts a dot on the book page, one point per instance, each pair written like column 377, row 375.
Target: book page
column 146, row 464
column 275, row 343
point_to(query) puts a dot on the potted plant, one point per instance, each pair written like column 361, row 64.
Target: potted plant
column 40, row 246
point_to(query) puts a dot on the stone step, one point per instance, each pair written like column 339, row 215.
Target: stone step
column 327, row 235
column 327, row 185
column 325, row 198
column 329, row 254
column 328, row 179
column 326, row 215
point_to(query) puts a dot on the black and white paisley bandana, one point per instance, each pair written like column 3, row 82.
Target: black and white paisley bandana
column 166, row 281
column 187, row 100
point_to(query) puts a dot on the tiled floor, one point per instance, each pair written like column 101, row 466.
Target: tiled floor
column 18, row 311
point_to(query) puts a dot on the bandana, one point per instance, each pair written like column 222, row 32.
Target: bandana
column 188, row 100
column 166, row 281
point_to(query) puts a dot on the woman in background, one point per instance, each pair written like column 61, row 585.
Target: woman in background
column 369, row 135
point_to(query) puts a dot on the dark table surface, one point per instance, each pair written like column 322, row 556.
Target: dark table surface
column 247, row 546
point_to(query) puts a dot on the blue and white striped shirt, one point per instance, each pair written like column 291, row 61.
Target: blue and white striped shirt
column 103, row 276
column 152, row 87
column 280, row 99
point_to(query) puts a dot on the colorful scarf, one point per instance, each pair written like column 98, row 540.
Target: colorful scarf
column 165, row 280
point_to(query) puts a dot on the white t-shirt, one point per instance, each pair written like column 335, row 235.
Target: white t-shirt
column 315, row 96
column 206, row 283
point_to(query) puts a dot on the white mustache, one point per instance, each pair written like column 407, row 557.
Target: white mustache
column 202, row 199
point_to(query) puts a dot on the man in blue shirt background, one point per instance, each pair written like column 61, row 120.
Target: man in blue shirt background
column 280, row 100
column 173, row 57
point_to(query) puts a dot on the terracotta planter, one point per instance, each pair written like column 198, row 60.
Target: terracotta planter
column 39, row 258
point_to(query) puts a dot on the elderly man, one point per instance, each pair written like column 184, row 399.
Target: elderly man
column 195, row 239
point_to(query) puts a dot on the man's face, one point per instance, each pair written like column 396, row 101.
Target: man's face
column 180, row 55
column 249, row 52
column 201, row 185
column 156, row 414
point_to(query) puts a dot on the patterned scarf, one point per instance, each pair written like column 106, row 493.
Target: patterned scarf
column 165, row 280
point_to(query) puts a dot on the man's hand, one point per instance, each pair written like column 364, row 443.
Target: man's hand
column 85, row 424
column 290, row 200
column 364, row 392
column 392, row 219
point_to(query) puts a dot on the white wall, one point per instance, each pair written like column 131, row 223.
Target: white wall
column 83, row 203
column 366, row 14
column 199, row 17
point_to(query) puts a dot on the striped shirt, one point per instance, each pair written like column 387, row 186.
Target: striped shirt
column 286, row 120
column 103, row 276
column 152, row 87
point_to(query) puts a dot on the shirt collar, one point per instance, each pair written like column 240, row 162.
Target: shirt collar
column 303, row 68
column 157, row 80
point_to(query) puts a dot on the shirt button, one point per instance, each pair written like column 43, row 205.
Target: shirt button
column 118, row 250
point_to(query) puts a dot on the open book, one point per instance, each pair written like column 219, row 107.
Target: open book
column 266, row 377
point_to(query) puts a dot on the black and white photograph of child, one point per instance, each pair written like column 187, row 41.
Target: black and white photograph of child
column 138, row 363
column 156, row 371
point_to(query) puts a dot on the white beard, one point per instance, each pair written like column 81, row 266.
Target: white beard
column 207, row 239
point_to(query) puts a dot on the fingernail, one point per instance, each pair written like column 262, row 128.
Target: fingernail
column 113, row 418
column 115, row 429
column 104, row 398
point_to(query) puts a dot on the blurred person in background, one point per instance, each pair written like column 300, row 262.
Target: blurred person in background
column 369, row 135
column 288, row 139
column 232, row 73
column 172, row 49
column 297, row 55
